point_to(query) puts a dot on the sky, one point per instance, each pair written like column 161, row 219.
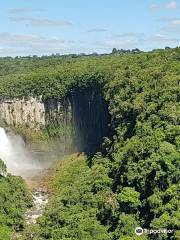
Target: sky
column 44, row 27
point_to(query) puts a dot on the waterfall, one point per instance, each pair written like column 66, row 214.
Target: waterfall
column 15, row 155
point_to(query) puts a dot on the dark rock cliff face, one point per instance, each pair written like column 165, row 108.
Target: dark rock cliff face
column 83, row 110
column 58, row 112
column 90, row 118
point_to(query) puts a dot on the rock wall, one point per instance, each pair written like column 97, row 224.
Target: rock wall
column 90, row 118
column 34, row 113
column 29, row 112
column 58, row 112
column 83, row 111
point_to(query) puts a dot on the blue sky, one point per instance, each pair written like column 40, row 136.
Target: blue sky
column 75, row 26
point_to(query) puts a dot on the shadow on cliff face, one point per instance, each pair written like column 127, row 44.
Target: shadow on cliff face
column 83, row 110
column 90, row 118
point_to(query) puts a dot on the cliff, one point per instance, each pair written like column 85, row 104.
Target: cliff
column 83, row 110
column 29, row 112
column 33, row 112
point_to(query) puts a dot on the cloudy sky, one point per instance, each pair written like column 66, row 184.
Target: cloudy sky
column 75, row 26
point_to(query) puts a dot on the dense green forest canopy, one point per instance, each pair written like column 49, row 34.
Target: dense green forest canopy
column 54, row 77
column 134, row 180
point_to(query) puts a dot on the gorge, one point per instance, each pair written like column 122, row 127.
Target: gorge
column 107, row 128
column 83, row 115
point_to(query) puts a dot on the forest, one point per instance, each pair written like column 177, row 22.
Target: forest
column 132, row 179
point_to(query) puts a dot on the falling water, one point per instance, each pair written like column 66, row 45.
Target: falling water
column 17, row 158
column 28, row 160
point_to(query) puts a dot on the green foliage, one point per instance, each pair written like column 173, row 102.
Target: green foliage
column 71, row 213
column 145, row 152
column 3, row 168
column 53, row 131
column 31, row 135
column 14, row 200
column 5, row 233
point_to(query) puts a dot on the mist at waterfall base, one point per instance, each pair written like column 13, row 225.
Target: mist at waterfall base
column 22, row 160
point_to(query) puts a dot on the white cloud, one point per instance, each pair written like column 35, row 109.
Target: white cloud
column 160, row 38
column 171, row 25
column 169, row 6
column 16, row 15
column 25, row 10
column 40, row 22
column 130, row 35
column 176, row 21
column 137, row 40
column 26, row 44
column 154, row 7
column 98, row 30
column 122, row 41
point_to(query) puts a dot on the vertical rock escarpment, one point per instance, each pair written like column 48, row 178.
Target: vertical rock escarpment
column 90, row 118
column 84, row 111
column 58, row 112
column 29, row 112
column 35, row 113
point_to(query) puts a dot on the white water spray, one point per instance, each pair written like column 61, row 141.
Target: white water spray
column 14, row 154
